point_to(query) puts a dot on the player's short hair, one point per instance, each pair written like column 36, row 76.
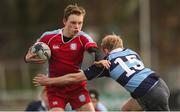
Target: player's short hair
column 111, row 42
column 73, row 9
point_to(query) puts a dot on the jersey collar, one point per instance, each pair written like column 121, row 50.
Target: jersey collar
column 60, row 32
column 116, row 50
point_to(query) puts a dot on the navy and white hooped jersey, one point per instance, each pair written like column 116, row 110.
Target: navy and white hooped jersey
column 128, row 70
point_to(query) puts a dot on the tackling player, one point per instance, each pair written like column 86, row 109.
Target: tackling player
column 148, row 90
column 67, row 47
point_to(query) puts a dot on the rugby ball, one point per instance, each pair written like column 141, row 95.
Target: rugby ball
column 42, row 50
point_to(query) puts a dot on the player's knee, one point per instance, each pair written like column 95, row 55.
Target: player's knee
column 125, row 107
column 131, row 105
column 86, row 107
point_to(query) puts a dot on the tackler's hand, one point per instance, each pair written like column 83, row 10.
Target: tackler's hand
column 41, row 80
column 103, row 63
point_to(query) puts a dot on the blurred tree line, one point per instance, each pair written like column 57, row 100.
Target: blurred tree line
column 23, row 21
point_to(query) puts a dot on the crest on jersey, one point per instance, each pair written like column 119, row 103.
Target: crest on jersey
column 55, row 102
column 82, row 98
column 73, row 46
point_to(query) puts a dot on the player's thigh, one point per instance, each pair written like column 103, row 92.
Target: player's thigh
column 131, row 104
column 56, row 101
column 86, row 107
column 80, row 99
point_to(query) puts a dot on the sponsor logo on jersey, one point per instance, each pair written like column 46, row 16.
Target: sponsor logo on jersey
column 55, row 47
column 82, row 98
column 73, row 46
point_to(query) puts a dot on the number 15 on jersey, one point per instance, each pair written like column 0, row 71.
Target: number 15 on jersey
column 132, row 60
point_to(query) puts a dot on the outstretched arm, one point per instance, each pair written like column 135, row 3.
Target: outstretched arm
column 103, row 63
column 43, row 80
column 91, row 72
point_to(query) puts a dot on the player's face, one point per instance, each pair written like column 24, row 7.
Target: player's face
column 105, row 51
column 73, row 24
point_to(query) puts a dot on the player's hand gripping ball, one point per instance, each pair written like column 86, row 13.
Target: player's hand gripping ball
column 42, row 50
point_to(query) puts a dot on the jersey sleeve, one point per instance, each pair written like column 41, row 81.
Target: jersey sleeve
column 95, row 72
column 45, row 37
column 87, row 40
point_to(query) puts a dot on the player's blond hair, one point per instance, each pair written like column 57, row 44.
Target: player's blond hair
column 73, row 9
column 111, row 42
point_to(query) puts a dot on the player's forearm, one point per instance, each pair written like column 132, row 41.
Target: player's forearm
column 68, row 79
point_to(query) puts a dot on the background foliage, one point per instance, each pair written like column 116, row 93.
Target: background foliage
column 23, row 21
